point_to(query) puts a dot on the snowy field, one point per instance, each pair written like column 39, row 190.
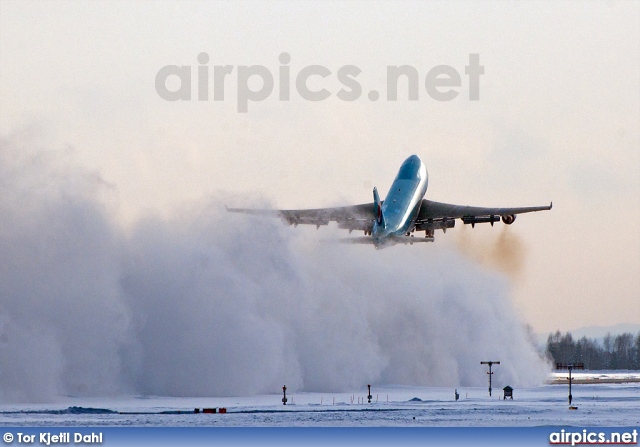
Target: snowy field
column 599, row 404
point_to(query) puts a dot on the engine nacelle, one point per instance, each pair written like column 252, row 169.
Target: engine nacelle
column 436, row 225
column 482, row 219
column 508, row 218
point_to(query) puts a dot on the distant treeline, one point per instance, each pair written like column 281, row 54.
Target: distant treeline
column 614, row 352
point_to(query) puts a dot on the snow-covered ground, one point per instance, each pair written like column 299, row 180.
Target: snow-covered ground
column 598, row 405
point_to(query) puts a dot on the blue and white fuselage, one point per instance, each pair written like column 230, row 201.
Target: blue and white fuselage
column 395, row 217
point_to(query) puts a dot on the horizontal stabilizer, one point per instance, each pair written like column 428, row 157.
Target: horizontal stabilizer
column 356, row 240
column 411, row 239
column 389, row 241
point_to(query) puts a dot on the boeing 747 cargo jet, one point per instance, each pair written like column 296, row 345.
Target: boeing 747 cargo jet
column 404, row 211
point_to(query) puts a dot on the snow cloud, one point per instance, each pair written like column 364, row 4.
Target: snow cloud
column 207, row 303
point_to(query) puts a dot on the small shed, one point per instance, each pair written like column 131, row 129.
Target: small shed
column 508, row 392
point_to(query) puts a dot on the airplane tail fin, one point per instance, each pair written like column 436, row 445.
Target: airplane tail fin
column 378, row 208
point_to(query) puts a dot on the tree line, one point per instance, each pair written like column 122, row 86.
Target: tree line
column 613, row 352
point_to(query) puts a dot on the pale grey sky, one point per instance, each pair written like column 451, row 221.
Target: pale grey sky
column 558, row 119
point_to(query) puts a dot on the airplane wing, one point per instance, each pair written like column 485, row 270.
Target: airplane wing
column 356, row 217
column 432, row 215
column 431, row 212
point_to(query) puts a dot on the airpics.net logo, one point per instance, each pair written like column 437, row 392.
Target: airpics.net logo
column 255, row 83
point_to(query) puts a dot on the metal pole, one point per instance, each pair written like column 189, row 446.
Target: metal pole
column 570, row 396
column 491, row 362
column 570, row 367
column 490, row 374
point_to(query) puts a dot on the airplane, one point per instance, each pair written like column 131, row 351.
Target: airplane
column 403, row 212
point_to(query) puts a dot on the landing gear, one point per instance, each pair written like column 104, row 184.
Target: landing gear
column 429, row 233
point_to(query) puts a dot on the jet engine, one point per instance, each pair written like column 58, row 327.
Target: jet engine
column 508, row 218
